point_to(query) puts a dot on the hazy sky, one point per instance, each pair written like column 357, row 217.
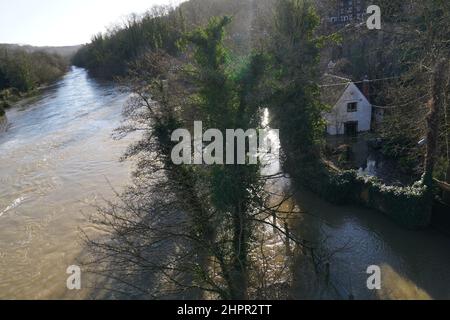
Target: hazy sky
column 64, row 22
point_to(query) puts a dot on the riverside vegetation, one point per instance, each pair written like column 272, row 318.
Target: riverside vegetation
column 203, row 223
column 23, row 72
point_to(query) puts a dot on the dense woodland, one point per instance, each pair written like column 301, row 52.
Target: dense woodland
column 22, row 71
column 162, row 28
column 400, row 58
column 224, row 62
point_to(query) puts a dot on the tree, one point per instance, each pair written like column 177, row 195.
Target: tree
column 191, row 231
column 420, row 42
column 25, row 71
column 109, row 54
column 295, row 103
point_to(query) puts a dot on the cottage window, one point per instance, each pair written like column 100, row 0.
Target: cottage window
column 352, row 107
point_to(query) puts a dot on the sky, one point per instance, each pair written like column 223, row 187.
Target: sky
column 64, row 22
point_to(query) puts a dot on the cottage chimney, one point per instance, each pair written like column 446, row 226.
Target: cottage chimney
column 366, row 87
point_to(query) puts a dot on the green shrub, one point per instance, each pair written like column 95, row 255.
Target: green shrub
column 409, row 206
column 25, row 71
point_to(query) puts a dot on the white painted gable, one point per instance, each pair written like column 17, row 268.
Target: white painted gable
column 339, row 116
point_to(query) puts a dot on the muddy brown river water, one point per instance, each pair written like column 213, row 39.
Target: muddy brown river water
column 57, row 158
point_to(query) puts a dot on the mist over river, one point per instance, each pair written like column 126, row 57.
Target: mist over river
column 57, row 158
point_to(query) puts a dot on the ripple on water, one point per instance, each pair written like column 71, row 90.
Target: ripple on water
column 59, row 157
column 13, row 205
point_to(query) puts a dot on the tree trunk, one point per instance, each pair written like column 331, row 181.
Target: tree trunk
column 435, row 104
column 446, row 194
column 239, row 276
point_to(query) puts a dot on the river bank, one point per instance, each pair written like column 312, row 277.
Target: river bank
column 8, row 100
column 9, row 97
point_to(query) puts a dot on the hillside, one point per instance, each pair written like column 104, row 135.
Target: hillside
column 66, row 51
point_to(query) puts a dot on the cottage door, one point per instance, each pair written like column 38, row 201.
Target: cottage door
column 351, row 128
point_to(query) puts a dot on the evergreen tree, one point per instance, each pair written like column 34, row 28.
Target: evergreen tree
column 295, row 105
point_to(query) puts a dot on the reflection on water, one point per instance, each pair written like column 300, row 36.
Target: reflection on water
column 55, row 160
column 367, row 158
column 399, row 287
column 370, row 169
column 56, row 154
column 388, row 170
column 414, row 264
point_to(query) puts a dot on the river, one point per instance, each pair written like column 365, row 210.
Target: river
column 414, row 264
column 57, row 158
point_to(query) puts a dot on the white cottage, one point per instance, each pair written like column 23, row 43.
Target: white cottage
column 351, row 111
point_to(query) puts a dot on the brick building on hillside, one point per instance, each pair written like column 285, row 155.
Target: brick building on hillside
column 347, row 11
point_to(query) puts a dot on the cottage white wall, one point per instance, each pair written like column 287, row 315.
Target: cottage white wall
column 338, row 116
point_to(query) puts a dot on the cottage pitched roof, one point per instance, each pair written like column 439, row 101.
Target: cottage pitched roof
column 332, row 88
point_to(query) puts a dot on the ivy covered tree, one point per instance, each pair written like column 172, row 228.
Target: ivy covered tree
column 205, row 216
column 226, row 99
column 297, row 111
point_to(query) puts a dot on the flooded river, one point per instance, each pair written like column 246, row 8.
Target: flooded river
column 57, row 158
column 414, row 264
